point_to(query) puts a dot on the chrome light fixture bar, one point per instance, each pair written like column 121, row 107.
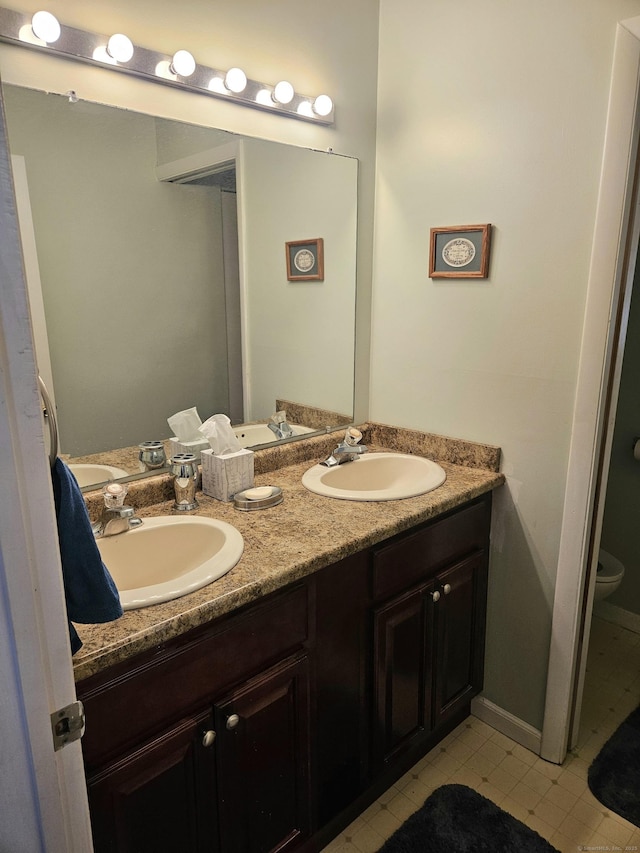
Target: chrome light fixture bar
column 19, row 29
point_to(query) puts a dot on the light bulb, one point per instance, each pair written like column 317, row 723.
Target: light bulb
column 45, row 26
column 283, row 92
column 120, row 47
column 322, row 105
column 305, row 109
column 216, row 84
column 235, row 80
column 264, row 97
column 183, row 63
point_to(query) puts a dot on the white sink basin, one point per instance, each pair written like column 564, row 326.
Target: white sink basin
column 376, row 477
column 168, row 557
column 251, row 434
column 91, row 475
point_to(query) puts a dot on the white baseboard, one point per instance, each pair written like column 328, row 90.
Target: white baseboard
column 506, row 723
column 617, row 615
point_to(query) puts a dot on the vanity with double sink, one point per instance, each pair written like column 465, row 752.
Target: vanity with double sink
column 265, row 709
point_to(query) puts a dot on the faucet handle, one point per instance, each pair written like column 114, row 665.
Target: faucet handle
column 352, row 436
column 114, row 495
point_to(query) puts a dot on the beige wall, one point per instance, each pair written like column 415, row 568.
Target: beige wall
column 300, row 334
column 493, row 112
column 487, row 112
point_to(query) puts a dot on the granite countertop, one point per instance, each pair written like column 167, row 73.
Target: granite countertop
column 303, row 534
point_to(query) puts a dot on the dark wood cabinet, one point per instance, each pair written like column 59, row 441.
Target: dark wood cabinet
column 263, row 761
column 204, row 744
column 269, row 729
column 160, row 796
column 428, row 656
column 403, row 673
column 429, row 591
column 459, row 635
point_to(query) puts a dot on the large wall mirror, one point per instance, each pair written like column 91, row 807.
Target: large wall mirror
column 159, row 250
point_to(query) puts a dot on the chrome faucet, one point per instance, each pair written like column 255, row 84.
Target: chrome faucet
column 279, row 426
column 348, row 450
column 114, row 520
column 116, row 516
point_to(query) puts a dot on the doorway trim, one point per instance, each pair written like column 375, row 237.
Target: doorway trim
column 45, row 788
column 590, row 444
column 209, row 162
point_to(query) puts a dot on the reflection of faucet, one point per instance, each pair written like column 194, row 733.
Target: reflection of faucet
column 114, row 520
column 279, row 426
column 348, row 450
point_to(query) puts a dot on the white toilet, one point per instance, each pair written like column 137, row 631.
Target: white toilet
column 609, row 576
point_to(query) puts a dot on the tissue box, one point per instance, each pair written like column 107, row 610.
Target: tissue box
column 196, row 447
column 226, row 475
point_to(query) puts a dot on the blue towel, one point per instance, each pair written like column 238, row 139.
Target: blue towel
column 90, row 592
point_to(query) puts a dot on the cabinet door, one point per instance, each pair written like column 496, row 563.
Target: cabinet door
column 402, row 673
column 159, row 798
column 460, row 621
column 263, row 761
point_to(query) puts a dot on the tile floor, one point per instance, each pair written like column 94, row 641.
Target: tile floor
column 553, row 800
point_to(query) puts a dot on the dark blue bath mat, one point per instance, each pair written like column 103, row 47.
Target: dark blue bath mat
column 614, row 776
column 456, row 819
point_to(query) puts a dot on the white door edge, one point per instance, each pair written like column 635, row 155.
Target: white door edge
column 31, row 590
column 579, row 534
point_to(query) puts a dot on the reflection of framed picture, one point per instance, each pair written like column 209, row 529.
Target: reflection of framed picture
column 461, row 251
column 305, row 260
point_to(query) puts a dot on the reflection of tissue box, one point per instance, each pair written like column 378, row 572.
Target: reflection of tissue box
column 226, row 475
column 196, row 446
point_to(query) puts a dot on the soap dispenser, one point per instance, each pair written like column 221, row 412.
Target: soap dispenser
column 184, row 469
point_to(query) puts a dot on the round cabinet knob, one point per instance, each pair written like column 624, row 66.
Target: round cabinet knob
column 232, row 721
column 446, row 588
column 208, row 738
column 435, row 595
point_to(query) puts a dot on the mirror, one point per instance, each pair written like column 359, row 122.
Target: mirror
column 160, row 250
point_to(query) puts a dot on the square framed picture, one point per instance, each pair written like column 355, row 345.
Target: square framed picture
column 305, row 260
column 461, row 251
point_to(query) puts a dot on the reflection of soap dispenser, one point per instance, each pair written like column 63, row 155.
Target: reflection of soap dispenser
column 151, row 456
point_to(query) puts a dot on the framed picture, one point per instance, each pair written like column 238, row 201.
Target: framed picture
column 305, row 260
column 461, row 251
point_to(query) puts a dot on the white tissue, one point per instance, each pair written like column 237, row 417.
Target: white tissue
column 185, row 425
column 222, row 440
column 636, row 450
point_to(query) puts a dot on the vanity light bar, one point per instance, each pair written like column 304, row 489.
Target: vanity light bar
column 17, row 28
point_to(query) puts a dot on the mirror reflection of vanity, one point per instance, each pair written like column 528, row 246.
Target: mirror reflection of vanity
column 160, row 250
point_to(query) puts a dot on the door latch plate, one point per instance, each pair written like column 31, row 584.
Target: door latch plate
column 67, row 724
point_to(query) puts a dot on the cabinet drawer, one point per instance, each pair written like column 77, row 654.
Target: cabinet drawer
column 126, row 708
column 408, row 558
